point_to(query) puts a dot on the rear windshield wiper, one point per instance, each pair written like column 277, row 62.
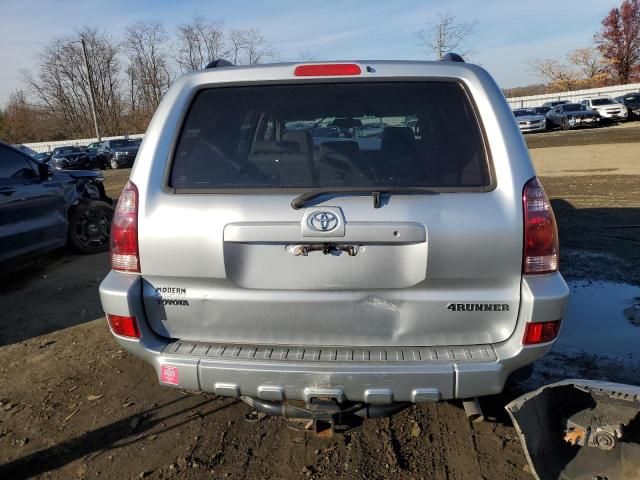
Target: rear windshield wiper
column 375, row 192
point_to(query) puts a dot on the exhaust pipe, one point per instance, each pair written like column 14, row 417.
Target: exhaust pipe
column 277, row 409
column 473, row 410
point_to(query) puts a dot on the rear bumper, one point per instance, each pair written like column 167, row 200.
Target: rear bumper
column 372, row 375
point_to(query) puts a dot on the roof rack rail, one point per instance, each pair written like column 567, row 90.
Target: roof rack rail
column 220, row 62
column 452, row 57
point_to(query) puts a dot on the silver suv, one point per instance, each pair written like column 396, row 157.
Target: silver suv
column 365, row 232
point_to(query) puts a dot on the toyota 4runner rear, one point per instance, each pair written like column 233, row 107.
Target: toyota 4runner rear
column 358, row 231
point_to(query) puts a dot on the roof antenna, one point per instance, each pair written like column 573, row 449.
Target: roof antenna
column 220, row 62
column 452, row 57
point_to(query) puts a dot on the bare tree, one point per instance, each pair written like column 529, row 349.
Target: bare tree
column 589, row 61
column 556, row 74
column 21, row 121
column 447, row 35
column 199, row 42
column 248, row 47
column 149, row 72
column 61, row 83
column 126, row 95
column 305, row 56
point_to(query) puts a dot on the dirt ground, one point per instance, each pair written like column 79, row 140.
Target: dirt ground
column 74, row 405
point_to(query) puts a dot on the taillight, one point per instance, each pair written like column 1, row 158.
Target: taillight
column 124, row 231
column 124, row 326
column 327, row 69
column 541, row 332
column 541, row 249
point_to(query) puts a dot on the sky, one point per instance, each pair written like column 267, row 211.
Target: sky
column 509, row 32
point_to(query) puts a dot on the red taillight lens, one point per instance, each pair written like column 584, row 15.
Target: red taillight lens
column 327, row 69
column 541, row 249
column 124, row 232
column 541, row 332
column 124, row 326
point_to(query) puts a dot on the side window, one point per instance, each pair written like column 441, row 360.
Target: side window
column 14, row 165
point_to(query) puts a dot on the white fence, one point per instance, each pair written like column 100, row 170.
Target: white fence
column 574, row 96
column 48, row 146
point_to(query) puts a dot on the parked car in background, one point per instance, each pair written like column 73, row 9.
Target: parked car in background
column 530, row 121
column 94, row 145
column 72, row 157
column 572, row 115
column 375, row 130
column 607, row 107
column 554, row 103
column 543, row 111
column 247, row 263
column 325, row 132
column 42, row 209
column 118, row 153
column 632, row 102
column 93, row 155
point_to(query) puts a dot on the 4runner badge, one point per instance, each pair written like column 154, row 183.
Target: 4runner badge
column 478, row 307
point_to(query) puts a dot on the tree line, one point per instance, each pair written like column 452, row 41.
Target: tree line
column 129, row 75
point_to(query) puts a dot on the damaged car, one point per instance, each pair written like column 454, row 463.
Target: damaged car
column 42, row 209
column 572, row 115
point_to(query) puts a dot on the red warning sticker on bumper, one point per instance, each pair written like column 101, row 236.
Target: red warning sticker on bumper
column 169, row 374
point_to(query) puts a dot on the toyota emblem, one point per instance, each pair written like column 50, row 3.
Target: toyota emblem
column 323, row 221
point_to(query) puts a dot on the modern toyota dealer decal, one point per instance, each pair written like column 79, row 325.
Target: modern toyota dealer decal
column 172, row 296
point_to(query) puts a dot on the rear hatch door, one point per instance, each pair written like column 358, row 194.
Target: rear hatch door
column 372, row 261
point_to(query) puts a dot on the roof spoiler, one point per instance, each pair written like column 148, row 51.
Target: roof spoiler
column 220, row 62
column 452, row 57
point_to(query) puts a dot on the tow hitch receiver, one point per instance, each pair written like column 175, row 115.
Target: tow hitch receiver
column 325, row 416
column 580, row 429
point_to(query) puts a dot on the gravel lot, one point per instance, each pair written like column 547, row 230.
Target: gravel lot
column 76, row 406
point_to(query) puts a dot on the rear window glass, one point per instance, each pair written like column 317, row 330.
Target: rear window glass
column 418, row 134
